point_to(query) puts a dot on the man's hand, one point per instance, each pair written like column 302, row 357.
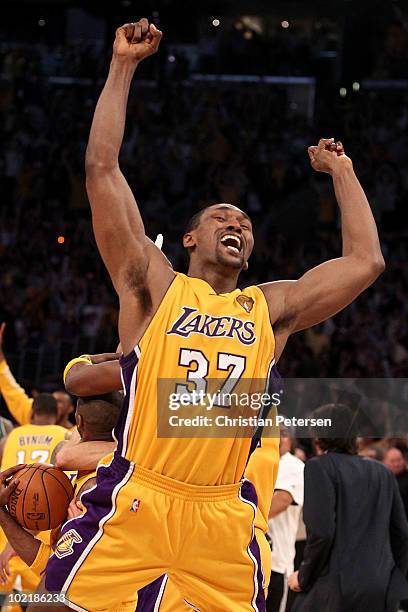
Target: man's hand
column 136, row 41
column 7, row 488
column 75, row 509
column 5, row 557
column 293, row 582
column 328, row 156
column 2, row 330
column 102, row 357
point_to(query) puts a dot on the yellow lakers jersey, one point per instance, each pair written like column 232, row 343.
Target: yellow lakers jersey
column 199, row 343
column 81, row 479
column 31, row 444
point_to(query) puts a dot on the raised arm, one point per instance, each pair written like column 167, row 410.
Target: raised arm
column 18, row 402
column 139, row 271
column 331, row 286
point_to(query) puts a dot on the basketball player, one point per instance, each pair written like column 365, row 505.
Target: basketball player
column 261, row 471
column 177, row 505
column 95, row 418
column 19, row 403
column 32, row 443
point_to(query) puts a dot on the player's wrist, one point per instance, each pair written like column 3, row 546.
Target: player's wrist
column 124, row 63
column 83, row 359
column 343, row 166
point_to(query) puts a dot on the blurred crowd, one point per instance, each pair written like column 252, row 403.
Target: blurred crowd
column 187, row 145
column 254, row 45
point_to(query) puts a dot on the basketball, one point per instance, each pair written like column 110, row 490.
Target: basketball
column 42, row 497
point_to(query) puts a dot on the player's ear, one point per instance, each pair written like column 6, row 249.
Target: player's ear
column 79, row 421
column 189, row 240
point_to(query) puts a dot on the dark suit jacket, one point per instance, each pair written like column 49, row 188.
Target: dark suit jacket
column 356, row 554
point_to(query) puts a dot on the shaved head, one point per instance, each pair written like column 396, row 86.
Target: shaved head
column 97, row 414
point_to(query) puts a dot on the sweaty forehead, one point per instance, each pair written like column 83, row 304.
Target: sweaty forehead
column 227, row 208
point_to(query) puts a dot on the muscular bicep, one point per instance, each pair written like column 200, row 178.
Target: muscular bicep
column 140, row 272
column 319, row 294
column 117, row 224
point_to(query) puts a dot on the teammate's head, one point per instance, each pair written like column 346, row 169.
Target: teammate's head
column 44, row 410
column 65, row 406
column 96, row 415
column 221, row 235
column 342, row 425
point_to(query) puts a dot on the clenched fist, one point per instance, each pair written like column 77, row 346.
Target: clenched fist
column 328, row 156
column 136, row 41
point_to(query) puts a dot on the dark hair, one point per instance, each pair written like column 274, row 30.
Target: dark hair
column 192, row 224
column 343, row 419
column 45, row 404
column 100, row 412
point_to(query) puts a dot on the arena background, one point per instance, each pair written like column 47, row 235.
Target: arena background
column 224, row 112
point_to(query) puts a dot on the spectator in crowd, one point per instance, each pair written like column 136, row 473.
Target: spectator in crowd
column 341, row 571
column 284, row 518
column 396, row 462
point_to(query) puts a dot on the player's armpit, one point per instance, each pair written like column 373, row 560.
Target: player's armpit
column 320, row 293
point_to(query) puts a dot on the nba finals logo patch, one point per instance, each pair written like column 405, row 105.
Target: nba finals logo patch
column 65, row 546
column 246, row 302
column 135, row 505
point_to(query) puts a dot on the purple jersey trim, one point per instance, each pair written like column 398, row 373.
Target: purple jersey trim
column 128, row 365
column 248, row 494
column 100, row 501
column 151, row 595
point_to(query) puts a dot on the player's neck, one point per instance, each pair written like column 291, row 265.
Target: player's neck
column 219, row 280
column 89, row 437
column 43, row 421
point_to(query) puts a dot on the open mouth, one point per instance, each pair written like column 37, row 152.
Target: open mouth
column 232, row 243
